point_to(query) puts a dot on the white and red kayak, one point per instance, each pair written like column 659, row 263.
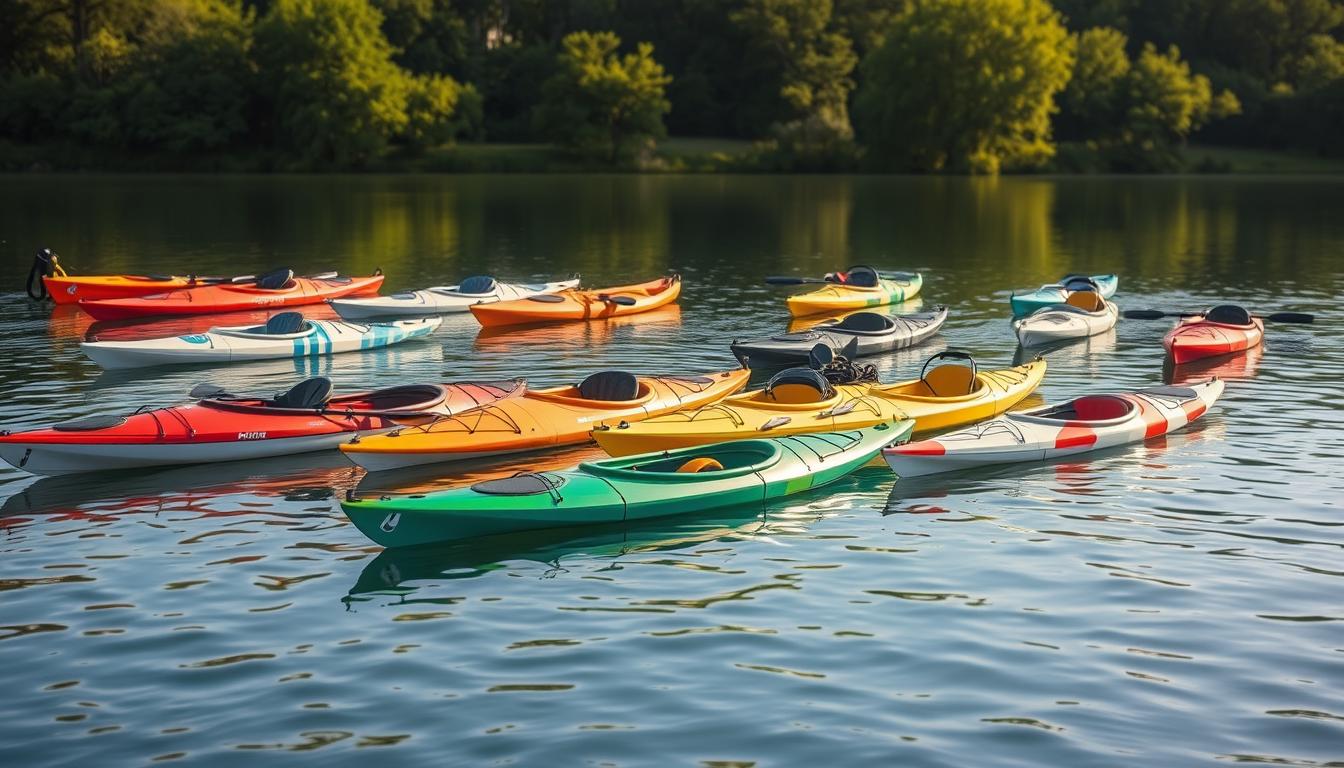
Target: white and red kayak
column 1220, row 331
column 224, row 427
column 1084, row 424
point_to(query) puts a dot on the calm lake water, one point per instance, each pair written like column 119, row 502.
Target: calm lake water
column 1176, row 603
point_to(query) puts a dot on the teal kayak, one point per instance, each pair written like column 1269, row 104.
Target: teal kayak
column 1057, row 293
column 629, row 488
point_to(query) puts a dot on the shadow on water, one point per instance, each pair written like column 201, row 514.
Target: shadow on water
column 1239, row 365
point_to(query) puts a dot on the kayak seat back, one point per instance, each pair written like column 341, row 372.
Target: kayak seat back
column 950, row 380
column 276, row 279
column 1078, row 283
column 309, row 393
column 1228, row 314
column 1086, row 300
column 865, row 323
column 861, row 277
column 610, row 386
column 89, row 424
column 285, row 323
column 520, row 484
column 798, row 385
column 477, row 284
column 700, row 464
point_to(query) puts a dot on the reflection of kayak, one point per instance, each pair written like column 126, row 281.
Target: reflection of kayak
column 509, row 338
column 444, row 299
column 573, row 305
column 1077, row 426
column 226, row 428
column 287, row 291
column 864, row 289
column 543, row 418
column 1057, row 293
column 286, row 335
column 870, row 333
column 618, row 490
column 794, row 403
column 1221, row 331
column 1082, row 314
column 1243, row 366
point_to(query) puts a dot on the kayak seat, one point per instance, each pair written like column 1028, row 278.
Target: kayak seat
column 1078, row 283
column 1102, row 407
column 309, row 393
column 478, row 284
column 861, row 277
column 865, row 322
column 520, row 484
column 89, row 423
column 1088, row 300
column 950, row 381
column 285, row 323
column 1228, row 314
column 609, row 387
column 798, row 386
column 701, row 464
column 275, row 279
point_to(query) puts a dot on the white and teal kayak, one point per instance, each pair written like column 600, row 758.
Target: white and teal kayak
column 1057, row 293
column 286, row 335
column 445, row 299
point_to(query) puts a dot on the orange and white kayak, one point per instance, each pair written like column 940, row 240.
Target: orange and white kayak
column 543, row 418
column 1084, row 424
column 573, row 305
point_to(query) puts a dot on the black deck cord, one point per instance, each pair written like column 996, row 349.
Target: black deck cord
column 842, row 370
column 42, row 267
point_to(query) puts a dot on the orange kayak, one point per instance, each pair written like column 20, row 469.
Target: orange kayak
column 568, row 306
column 543, row 418
column 288, row 291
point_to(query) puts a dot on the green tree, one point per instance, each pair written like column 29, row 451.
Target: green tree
column 1092, row 102
column 964, row 85
column 599, row 100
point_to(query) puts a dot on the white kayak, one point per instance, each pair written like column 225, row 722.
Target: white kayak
column 1085, row 424
column 445, row 299
column 286, row 335
column 1085, row 314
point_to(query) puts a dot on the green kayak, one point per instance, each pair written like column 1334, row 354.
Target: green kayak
column 629, row 488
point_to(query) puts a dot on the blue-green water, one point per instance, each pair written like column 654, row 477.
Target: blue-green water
column 1175, row 603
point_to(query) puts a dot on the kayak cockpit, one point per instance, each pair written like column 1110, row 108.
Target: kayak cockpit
column 603, row 389
column 285, row 325
column 700, row 463
column 1095, row 410
column 863, row 324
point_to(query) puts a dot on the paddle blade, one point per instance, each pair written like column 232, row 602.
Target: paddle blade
column 624, row 301
column 820, row 356
column 1291, row 317
column 205, row 391
column 547, row 298
column 787, row 280
column 324, row 275
column 1144, row 314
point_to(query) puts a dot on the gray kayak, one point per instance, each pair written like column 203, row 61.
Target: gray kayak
column 856, row 335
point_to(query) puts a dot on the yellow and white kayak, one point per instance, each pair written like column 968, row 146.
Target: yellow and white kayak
column 800, row 401
column 861, row 287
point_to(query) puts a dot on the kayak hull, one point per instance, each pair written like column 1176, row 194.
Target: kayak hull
column 538, row 420
column 1036, row 436
column 907, row 331
column 442, row 300
column 576, row 306
column 242, row 343
column 839, row 297
column 621, row 490
column 1195, row 338
column 1062, row 322
column 1049, row 295
column 748, row 416
column 234, row 429
column 232, row 298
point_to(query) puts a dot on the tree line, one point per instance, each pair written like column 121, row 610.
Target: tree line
column 888, row 85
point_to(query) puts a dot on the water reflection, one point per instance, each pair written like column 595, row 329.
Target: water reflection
column 634, row 329
column 1239, row 365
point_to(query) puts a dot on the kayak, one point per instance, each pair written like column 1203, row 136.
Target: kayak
column 1083, row 314
column 286, row 335
column 445, row 299
column 619, row 490
column 543, row 418
column 63, row 288
column 271, row 291
column 227, row 428
column 1057, row 293
column 573, row 305
column 1220, row 331
column 870, row 333
column 794, row 402
column 866, row 287
column 1084, row 424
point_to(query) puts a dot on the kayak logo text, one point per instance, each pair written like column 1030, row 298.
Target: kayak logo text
column 251, row 435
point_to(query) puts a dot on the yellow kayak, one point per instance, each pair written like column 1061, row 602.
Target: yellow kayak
column 799, row 400
column 864, row 287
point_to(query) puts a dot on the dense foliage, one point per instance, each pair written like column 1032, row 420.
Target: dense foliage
column 923, row 85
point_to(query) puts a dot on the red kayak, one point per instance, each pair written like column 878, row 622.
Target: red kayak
column 271, row 291
column 1220, row 331
column 227, row 428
